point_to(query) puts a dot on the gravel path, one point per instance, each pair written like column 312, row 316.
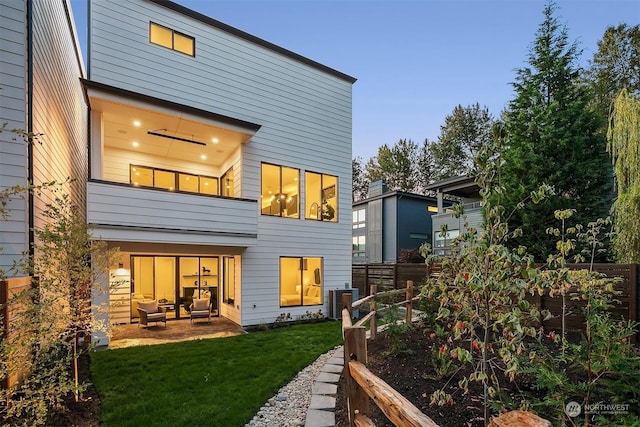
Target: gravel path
column 288, row 408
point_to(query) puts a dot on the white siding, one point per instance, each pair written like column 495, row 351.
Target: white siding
column 59, row 108
column 13, row 111
column 126, row 213
column 305, row 115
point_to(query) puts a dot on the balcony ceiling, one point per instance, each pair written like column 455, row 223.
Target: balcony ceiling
column 126, row 124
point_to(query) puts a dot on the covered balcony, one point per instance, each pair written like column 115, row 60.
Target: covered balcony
column 162, row 171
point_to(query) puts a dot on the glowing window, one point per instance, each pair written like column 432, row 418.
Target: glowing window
column 171, row 39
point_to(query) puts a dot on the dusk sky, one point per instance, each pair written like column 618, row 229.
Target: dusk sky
column 414, row 60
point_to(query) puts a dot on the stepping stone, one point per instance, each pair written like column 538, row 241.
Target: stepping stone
column 324, row 388
column 327, row 377
column 334, row 369
column 319, row 401
column 318, row 418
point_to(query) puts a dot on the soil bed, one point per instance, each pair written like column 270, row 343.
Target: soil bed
column 412, row 374
column 86, row 412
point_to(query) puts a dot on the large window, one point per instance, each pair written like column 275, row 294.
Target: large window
column 280, row 190
column 300, row 281
column 143, row 176
column 172, row 39
column 321, row 197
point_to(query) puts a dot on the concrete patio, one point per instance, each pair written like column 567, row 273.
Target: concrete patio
column 176, row 330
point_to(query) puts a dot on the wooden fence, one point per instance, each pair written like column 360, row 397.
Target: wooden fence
column 386, row 276
column 362, row 385
column 628, row 299
column 395, row 276
column 9, row 314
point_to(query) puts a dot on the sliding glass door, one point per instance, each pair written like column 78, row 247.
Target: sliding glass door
column 154, row 278
column 175, row 281
column 198, row 279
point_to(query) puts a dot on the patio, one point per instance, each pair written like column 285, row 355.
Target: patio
column 129, row 335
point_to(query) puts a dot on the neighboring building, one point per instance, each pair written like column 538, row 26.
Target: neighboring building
column 40, row 92
column 387, row 222
column 467, row 191
column 218, row 163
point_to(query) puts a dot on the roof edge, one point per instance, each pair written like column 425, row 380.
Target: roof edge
column 251, row 38
column 90, row 84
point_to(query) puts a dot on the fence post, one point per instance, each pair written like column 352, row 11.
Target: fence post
column 373, row 322
column 409, row 297
column 355, row 348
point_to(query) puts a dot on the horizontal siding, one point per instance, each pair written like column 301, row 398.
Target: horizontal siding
column 13, row 111
column 304, row 113
column 59, row 109
column 137, row 207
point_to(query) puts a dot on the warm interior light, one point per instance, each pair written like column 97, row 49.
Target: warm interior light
column 214, row 140
column 203, row 157
column 120, row 270
column 137, row 123
column 135, row 143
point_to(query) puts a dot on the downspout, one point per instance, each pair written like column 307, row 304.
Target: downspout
column 30, row 198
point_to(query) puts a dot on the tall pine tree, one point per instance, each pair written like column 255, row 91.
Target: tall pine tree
column 553, row 138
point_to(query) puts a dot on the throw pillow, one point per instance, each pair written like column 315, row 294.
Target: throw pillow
column 201, row 304
column 149, row 306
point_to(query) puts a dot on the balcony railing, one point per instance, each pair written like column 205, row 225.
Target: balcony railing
column 122, row 212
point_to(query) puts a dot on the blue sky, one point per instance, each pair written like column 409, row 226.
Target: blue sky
column 414, row 60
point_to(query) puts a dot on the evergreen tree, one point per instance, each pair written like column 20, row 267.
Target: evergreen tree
column 425, row 166
column 615, row 66
column 553, row 138
column 360, row 184
column 395, row 165
column 464, row 132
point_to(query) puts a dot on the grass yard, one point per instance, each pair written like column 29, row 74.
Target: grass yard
column 211, row 382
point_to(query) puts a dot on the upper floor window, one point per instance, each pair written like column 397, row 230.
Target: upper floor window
column 172, row 39
column 280, row 190
column 227, row 183
column 321, row 197
column 359, row 218
column 144, row 176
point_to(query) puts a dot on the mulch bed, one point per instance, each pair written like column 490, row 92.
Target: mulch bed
column 412, row 375
column 406, row 374
column 86, row 412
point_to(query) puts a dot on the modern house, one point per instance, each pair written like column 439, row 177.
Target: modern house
column 386, row 222
column 217, row 163
column 467, row 192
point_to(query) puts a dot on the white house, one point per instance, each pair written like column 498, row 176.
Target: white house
column 218, row 163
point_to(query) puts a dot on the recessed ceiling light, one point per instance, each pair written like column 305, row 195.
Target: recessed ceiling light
column 203, row 157
column 135, row 143
column 137, row 123
column 214, row 140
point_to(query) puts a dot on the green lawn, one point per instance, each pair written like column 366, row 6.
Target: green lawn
column 212, row 382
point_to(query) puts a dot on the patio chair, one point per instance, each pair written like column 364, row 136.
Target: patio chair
column 200, row 309
column 150, row 312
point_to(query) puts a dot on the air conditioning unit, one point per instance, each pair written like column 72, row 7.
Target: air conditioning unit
column 335, row 302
